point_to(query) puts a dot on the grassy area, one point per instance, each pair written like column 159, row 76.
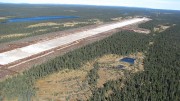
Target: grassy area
column 67, row 83
column 74, row 84
column 87, row 15
column 162, row 27
column 47, row 27
column 158, row 81
column 22, row 86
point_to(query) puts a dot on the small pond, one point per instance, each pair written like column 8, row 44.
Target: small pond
column 129, row 60
column 38, row 18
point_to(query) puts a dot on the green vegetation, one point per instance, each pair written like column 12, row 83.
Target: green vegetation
column 158, row 82
column 86, row 14
column 93, row 75
column 22, row 85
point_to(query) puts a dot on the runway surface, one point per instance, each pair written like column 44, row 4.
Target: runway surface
column 27, row 51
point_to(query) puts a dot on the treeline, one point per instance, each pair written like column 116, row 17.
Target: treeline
column 161, row 18
column 16, row 28
column 121, row 43
column 93, row 75
column 159, row 81
column 85, row 13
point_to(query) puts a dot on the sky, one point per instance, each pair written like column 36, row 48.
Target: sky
column 157, row 4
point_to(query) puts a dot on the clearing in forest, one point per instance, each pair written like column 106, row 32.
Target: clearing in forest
column 75, row 84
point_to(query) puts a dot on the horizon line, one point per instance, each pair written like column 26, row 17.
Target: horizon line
column 92, row 5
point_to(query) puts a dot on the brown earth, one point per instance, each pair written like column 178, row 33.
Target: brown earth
column 72, row 85
column 24, row 64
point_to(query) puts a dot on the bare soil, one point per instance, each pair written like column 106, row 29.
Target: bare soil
column 24, row 64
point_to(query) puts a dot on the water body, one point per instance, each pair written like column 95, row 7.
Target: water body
column 39, row 18
column 129, row 60
column 120, row 67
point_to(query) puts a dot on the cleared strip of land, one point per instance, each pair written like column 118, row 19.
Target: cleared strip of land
column 27, row 51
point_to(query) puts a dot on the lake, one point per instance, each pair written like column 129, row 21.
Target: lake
column 39, row 18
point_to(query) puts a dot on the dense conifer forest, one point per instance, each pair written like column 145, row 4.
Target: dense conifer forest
column 119, row 43
column 158, row 82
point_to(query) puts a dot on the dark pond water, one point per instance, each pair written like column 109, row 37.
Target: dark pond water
column 120, row 67
column 39, row 18
column 129, row 60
